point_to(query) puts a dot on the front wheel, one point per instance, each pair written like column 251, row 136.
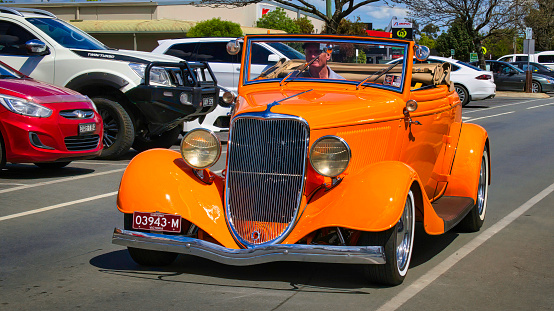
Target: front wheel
column 146, row 257
column 473, row 221
column 119, row 132
column 463, row 94
column 398, row 243
column 536, row 87
column 164, row 140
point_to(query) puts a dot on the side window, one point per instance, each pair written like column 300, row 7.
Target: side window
column 13, row 38
column 524, row 67
column 548, row 58
column 185, row 51
column 504, row 69
column 454, row 67
column 521, row 58
column 260, row 55
column 506, row 59
column 214, row 52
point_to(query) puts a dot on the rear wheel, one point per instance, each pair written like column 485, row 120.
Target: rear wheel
column 463, row 94
column 536, row 87
column 52, row 165
column 476, row 217
column 119, row 132
column 146, row 257
column 398, row 243
column 165, row 140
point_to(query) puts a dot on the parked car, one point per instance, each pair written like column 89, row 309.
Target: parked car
column 471, row 83
column 327, row 161
column 545, row 58
column 535, row 68
column 510, row 78
column 45, row 124
column 143, row 98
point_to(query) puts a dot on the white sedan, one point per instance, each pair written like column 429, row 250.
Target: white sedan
column 471, row 83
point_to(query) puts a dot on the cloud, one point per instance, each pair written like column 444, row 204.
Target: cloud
column 382, row 12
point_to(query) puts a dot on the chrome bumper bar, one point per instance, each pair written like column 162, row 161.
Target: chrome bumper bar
column 250, row 256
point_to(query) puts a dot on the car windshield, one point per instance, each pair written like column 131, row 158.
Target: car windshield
column 67, row 35
column 332, row 59
column 6, row 73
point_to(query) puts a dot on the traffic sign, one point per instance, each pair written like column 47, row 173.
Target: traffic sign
column 473, row 57
column 484, row 50
column 528, row 33
column 452, row 52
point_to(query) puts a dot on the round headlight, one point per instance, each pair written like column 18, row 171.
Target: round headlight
column 200, row 148
column 330, row 156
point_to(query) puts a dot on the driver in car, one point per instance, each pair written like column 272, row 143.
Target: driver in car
column 318, row 68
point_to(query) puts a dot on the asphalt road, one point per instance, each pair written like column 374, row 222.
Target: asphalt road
column 56, row 251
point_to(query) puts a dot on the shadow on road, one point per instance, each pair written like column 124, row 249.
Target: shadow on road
column 30, row 171
column 428, row 246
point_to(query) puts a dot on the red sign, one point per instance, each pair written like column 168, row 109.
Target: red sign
column 264, row 11
column 382, row 34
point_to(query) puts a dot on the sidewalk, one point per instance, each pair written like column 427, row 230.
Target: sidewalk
column 522, row 94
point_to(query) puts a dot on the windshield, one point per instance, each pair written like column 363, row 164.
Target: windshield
column 67, row 35
column 320, row 59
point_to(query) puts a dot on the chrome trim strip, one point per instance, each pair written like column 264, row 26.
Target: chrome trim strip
column 250, row 256
column 265, row 115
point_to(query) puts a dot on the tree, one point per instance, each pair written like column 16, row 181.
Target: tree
column 427, row 41
column 304, row 25
column 479, row 18
column 215, row 27
column 342, row 8
column 347, row 27
column 501, row 43
column 278, row 19
column 431, row 31
column 541, row 19
column 455, row 38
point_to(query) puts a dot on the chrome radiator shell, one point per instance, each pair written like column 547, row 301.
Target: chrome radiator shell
column 266, row 169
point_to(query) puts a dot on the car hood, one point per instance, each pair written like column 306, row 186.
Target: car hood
column 325, row 108
column 127, row 56
column 39, row 92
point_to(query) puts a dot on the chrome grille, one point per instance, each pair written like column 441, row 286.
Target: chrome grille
column 79, row 143
column 265, row 176
column 77, row 114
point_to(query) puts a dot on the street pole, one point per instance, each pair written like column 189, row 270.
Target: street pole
column 329, row 9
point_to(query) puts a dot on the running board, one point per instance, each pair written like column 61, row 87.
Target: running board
column 452, row 209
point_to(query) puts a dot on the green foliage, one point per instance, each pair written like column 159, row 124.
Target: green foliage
column 304, row 25
column 278, row 19
column 541, row 19
column 215, row 27
column 502, row 43
column 362, row 58
column 427, row 41
column 455, row 38
column 431, row 31
column 347, row 27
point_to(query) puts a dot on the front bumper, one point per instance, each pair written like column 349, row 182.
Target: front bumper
column 250, row 256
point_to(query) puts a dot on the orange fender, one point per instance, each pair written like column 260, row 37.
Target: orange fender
column 373, row 199
column 464, row 177
column 158, row 180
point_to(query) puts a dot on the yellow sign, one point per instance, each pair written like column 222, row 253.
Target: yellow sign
column 402, row 33
column 484, row 50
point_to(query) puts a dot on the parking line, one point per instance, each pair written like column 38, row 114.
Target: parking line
column 540, row 106
column 60, row 180
column 426, row 279
column 48, row 208
column 494, row 115
column 512, row 104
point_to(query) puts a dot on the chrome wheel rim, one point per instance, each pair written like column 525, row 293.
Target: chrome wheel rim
column 111, row 128
column 535, row 87
column 482, row 188
column 461, row 94
column 404, row 235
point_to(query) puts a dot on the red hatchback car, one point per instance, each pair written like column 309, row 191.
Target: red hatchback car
column 45, row 124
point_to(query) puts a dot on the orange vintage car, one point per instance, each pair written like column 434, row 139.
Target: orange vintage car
column 331, row 158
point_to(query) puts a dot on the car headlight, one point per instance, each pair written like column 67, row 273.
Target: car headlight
column 158, row 75
column 92, row 103
column 330, row 156
column 24, row 107
column 200, row 148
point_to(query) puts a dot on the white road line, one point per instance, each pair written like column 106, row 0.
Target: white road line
column 10, row 184
column 540, row 106
column 426, row 279
column 48, row 208
column 99, row 163
column 507, row 105
column 494, row 115
column 60, row 180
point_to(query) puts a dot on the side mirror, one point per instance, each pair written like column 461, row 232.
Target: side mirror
column 421, row 52
column 273, row 58
column 37, row 47
column 233, row 47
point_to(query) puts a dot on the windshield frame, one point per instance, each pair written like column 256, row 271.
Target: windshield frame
column 370, row 41
column 91, row 41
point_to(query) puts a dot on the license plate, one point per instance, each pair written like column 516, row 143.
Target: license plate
column 207, row 101
column 85, row 128
column 157, row 222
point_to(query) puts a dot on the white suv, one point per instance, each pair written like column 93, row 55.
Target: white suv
column 225, row 67
column 137, row 111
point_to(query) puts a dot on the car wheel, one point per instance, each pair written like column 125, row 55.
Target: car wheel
column 536, row 87
column 398, row 243
column 463, row 94
column 52, row 165
column 119, row 132
column 473, row 221
column 165, row 140
column 146, row 257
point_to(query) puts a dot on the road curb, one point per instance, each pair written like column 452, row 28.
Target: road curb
column 522, row 94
